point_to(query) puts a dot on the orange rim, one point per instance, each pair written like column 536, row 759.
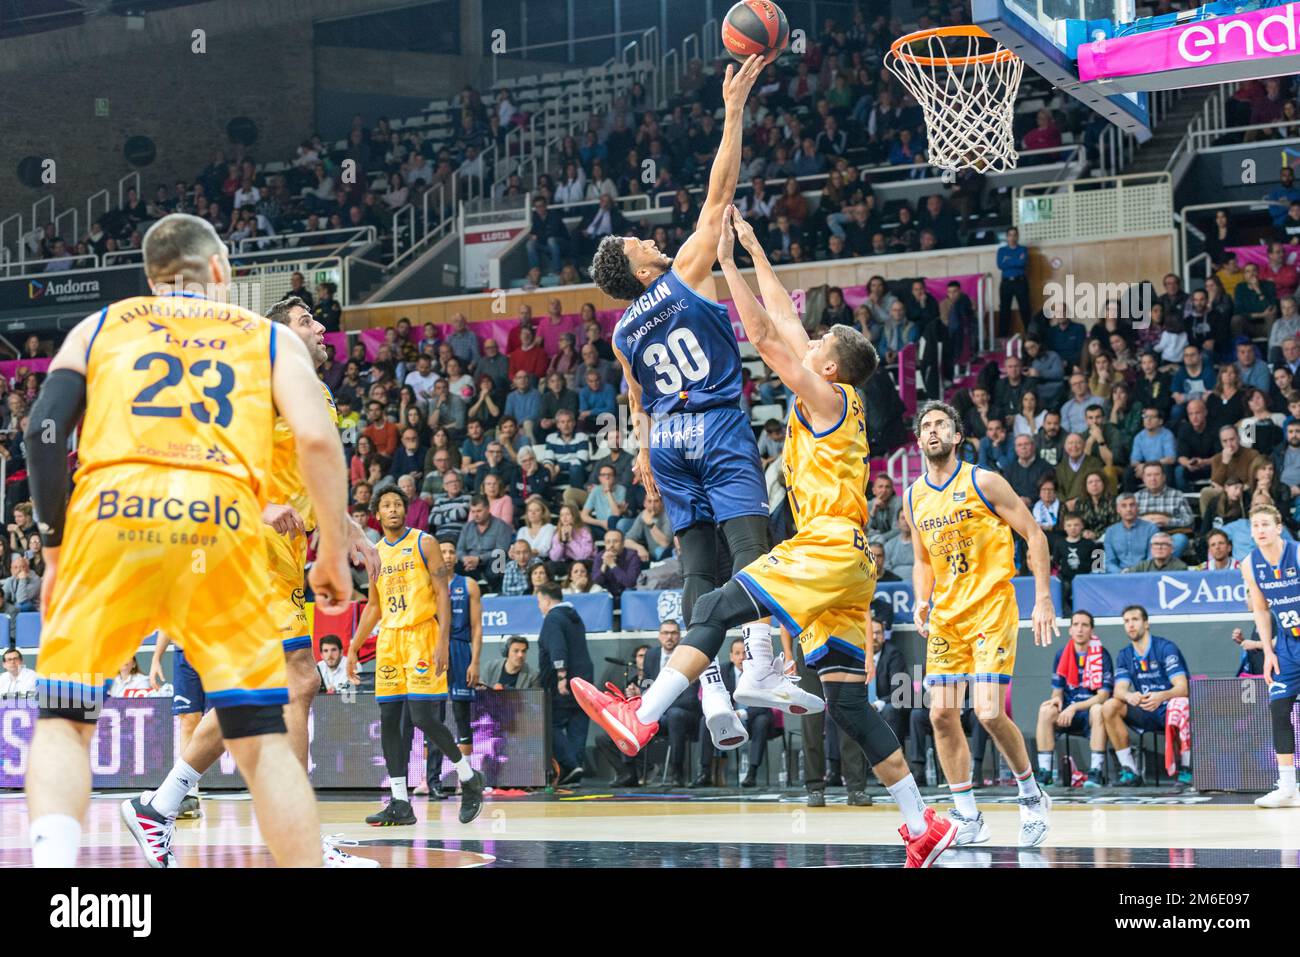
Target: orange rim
column 1000, row 55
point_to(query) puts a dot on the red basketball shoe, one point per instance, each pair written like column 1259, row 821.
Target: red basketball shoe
column 938, row 837
column 615, row 713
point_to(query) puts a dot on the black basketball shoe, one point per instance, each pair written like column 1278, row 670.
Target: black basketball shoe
column 471, row 797
column 396, row 813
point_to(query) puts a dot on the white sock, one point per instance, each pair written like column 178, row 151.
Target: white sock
column 660, row 696
column 398, row 787
column 1184, row 759
column 910, row 803
column 758, row 646
column 55, row 838
column 1027, row 784
column 963, row 795
column 715, row 696
column 1126, row 759
column 1286, row 777
column 464, row 771
column 1098, row 761
column 167, row 799
column 1044, row 760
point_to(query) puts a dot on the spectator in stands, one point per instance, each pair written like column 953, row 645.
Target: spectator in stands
column 436, row 464
column 447, row 411
column 1096, row 507
column 483, row 544
column 1260, row 429
column 1025, row 471
column 1128, row 541
column 380, row 431
column 16, row 678
column 557, row 397
column 1073, row 410
column 1155, row 444
column 1073, row 553
column 327, row 311
column 530, row 357
column 529, row 479
column 996, row 449
column 547, row 238
column 1173, row 300
column 1044, row 135
column 562, row 653
column 1251, row 371
column 1195, row 446
column 1286, row 459
column 500, row 504
column 1164, row 507
column 495, row 463
column 1047, row 509
column 975, row 421
column 619, row 566
column 524, row 405
column 1234, row 460
column 1255, row 303
column 898, row 550
column 1282, row 195
column 1149, row 673
column 1195, row 378
column 1046, row 369
column 596, row 398
column 1162, row 557
column 572, row 540
column 1083, row 678
column 1050, row 440
column 569, row 450
column 1226, row 405
column 651, row 535
column 1265, row 488
column 450, row 508
column 409, row 457
column 1152, row 387
column 473, row 451
column 493, row 363
column 1074, row 468
column 897, row 332
column 1009, row 391
column 1013, row 263
column 537, row 529
column 1219, row 554
column 130, row 681
column 607, row 505
column 938, row 218
column 417, row 512
column 515, row 578
column 331, row 668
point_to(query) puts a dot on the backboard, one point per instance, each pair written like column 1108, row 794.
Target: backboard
column 1036, row 31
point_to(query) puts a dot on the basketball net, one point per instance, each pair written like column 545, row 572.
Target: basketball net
column 966, row 83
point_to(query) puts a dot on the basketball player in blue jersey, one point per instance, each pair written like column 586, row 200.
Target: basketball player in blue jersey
column 465, row 649
column 1272, row 577
column 679, row 354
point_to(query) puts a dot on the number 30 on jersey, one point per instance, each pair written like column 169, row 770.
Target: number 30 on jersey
column 680, row 357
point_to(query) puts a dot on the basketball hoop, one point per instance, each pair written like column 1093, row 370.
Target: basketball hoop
column 966, row 83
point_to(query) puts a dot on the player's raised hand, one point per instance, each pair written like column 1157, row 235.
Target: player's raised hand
column 1045, row 622
column 330, row 580
column 727, row 236
column 744, row 232
column 736, row 84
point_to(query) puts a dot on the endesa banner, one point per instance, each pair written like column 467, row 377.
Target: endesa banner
column 1172, row 593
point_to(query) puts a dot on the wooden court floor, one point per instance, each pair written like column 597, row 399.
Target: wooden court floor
column 595, row 830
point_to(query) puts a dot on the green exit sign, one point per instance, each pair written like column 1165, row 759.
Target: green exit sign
column 101, row 106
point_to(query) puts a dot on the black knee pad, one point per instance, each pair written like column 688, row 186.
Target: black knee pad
column 717, row 612
column 748, row 539
column 251, row 720
column 699, row 557
column 460, row 711
column 846, row 702
column 79, row 715
column 1283, row 731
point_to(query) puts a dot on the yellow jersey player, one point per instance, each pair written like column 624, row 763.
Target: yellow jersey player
column 180, row 392
column 818, row 584
column 411, row 602
column 288, row 519
column 962, row 518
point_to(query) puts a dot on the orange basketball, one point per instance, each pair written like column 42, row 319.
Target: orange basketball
column 755, row 26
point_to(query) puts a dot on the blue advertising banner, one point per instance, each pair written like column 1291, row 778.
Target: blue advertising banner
column 519, row 616
column 1162, row 593
column 644, row 610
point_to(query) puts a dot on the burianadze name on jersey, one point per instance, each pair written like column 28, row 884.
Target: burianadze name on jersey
column 652, row 298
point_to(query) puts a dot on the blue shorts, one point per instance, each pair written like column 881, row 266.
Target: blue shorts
column 1082, row 724
column 707, row 467
column 187, row 689
column 1286, row 683
column 1136, row 717
column 459, row 654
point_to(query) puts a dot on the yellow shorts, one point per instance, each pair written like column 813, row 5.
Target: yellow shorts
column 819, row 585
column 404, row 664
column 980, row 647
column 286, row 558
column 179, row 550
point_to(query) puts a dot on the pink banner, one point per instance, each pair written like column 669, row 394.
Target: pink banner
column 1256, row 36
column 9, row 369
column 1259, row 255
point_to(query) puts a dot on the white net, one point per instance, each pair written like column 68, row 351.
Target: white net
column 966, row 83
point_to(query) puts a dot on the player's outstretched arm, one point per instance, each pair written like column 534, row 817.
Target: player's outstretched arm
column 1013, row 511
column 822, row 400
column 922, row 578
column 641, row 424
column 472, row 676
column 298, row 398
column 440, row 580
column 694, row 261
column 365, row 625
column 1263, row 620
column 161, row 641
column 776, row 300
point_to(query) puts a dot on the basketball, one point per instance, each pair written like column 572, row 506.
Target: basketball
column 755, row 26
